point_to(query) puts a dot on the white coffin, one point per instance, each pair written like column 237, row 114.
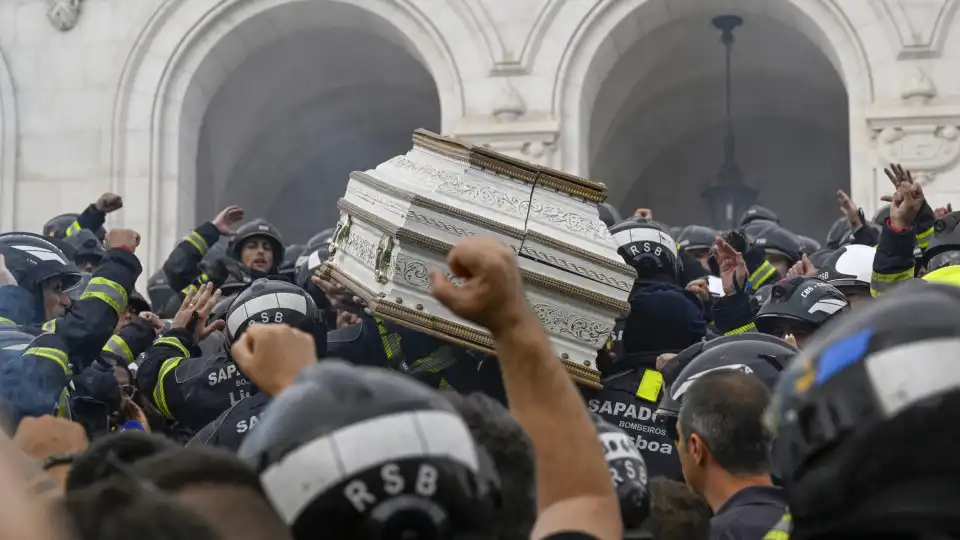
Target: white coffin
column 400, row 219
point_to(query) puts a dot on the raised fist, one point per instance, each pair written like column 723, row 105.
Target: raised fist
column 109, row 202
column 123, row 238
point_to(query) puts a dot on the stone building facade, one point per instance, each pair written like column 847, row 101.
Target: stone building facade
column 184, row 106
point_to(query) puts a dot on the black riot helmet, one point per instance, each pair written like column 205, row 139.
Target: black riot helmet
column 761, row 296
column 753, row 229
column 864, row 421
column 159, row 290
column 648, row 248
column 761, row 355
column 799, row 306
column 779, row 242
column 882, row 215
column 320, row 240
column 86, row 247
column 257, row 227
column 838, row 231
column 696, row 238
column 608, row 214
column 59, row 227
column 32, row 259
column 944, row 248
column 808, row 245
column 758, row 213
column 817, row 258
column 364, row 453
column 291, row 254
column 628, row 471
column 269, row 301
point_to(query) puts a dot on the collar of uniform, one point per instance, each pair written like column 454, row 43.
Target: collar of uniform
column 754, row 495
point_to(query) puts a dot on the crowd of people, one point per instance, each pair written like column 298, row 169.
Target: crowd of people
column 762, row 386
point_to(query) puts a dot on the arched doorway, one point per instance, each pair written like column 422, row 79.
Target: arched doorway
column 210, row 86
column 663, row 144
column 282, row 134
column 650, row 110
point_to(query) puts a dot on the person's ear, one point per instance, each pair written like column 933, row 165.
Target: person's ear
column 698, row 449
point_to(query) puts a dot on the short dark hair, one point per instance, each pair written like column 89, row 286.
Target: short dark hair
column 176, row 469
column 119, row 508
column 725, row 409
column 125, row 447
column 677, row 512
column 506, row 442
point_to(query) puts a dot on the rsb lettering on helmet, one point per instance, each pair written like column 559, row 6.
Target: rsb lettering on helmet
column 646, row 247
column 393, row 484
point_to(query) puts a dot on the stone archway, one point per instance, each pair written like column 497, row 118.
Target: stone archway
column 614, row 28
column 182, row 59
column 8, row 148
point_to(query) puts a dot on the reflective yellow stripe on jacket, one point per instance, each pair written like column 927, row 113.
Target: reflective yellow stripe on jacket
column 197, row 241
column 6, row 322
column 881, row 283
column 49, row 353
column 50, row 326
column 159, row 396
column 761, row 275
column 73, row 229
column 923, row 238
column 173, row 342
column 745, row 328
column 781, row 531
column 391, row 343
column 109, row 292
column 117, row 346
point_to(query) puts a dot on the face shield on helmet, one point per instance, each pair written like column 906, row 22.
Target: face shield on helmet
column 647, row 248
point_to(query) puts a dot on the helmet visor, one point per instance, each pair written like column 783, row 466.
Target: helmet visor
column 941, row 260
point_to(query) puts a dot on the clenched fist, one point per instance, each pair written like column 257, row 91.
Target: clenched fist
column 492, row 293
column 123, row 238
column 109, row 202
column 272, row 355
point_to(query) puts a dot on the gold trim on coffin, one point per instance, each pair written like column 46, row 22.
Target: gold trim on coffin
column 430, row 204
column 457, row 334
column 485, row 158
column 443, row 248
column 564, row 247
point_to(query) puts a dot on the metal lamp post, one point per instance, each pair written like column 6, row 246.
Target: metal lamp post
column 728, row 197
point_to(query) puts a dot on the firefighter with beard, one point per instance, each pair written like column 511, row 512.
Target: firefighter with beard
column 663, row 318
column 255, row 251
column 193, row 389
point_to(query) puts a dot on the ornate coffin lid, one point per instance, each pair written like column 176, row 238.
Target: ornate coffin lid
column 485, row 158
column 442, row 248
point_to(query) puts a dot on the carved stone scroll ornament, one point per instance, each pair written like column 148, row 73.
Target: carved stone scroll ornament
column 64, row 14
column 925, row 149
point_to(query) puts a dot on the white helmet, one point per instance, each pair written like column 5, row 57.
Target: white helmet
column 849, row 266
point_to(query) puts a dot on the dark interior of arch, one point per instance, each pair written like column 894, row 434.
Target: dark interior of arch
column 658, row 124
column 284, row 131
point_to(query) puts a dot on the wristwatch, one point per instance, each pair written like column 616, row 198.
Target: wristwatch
column 56, row 460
